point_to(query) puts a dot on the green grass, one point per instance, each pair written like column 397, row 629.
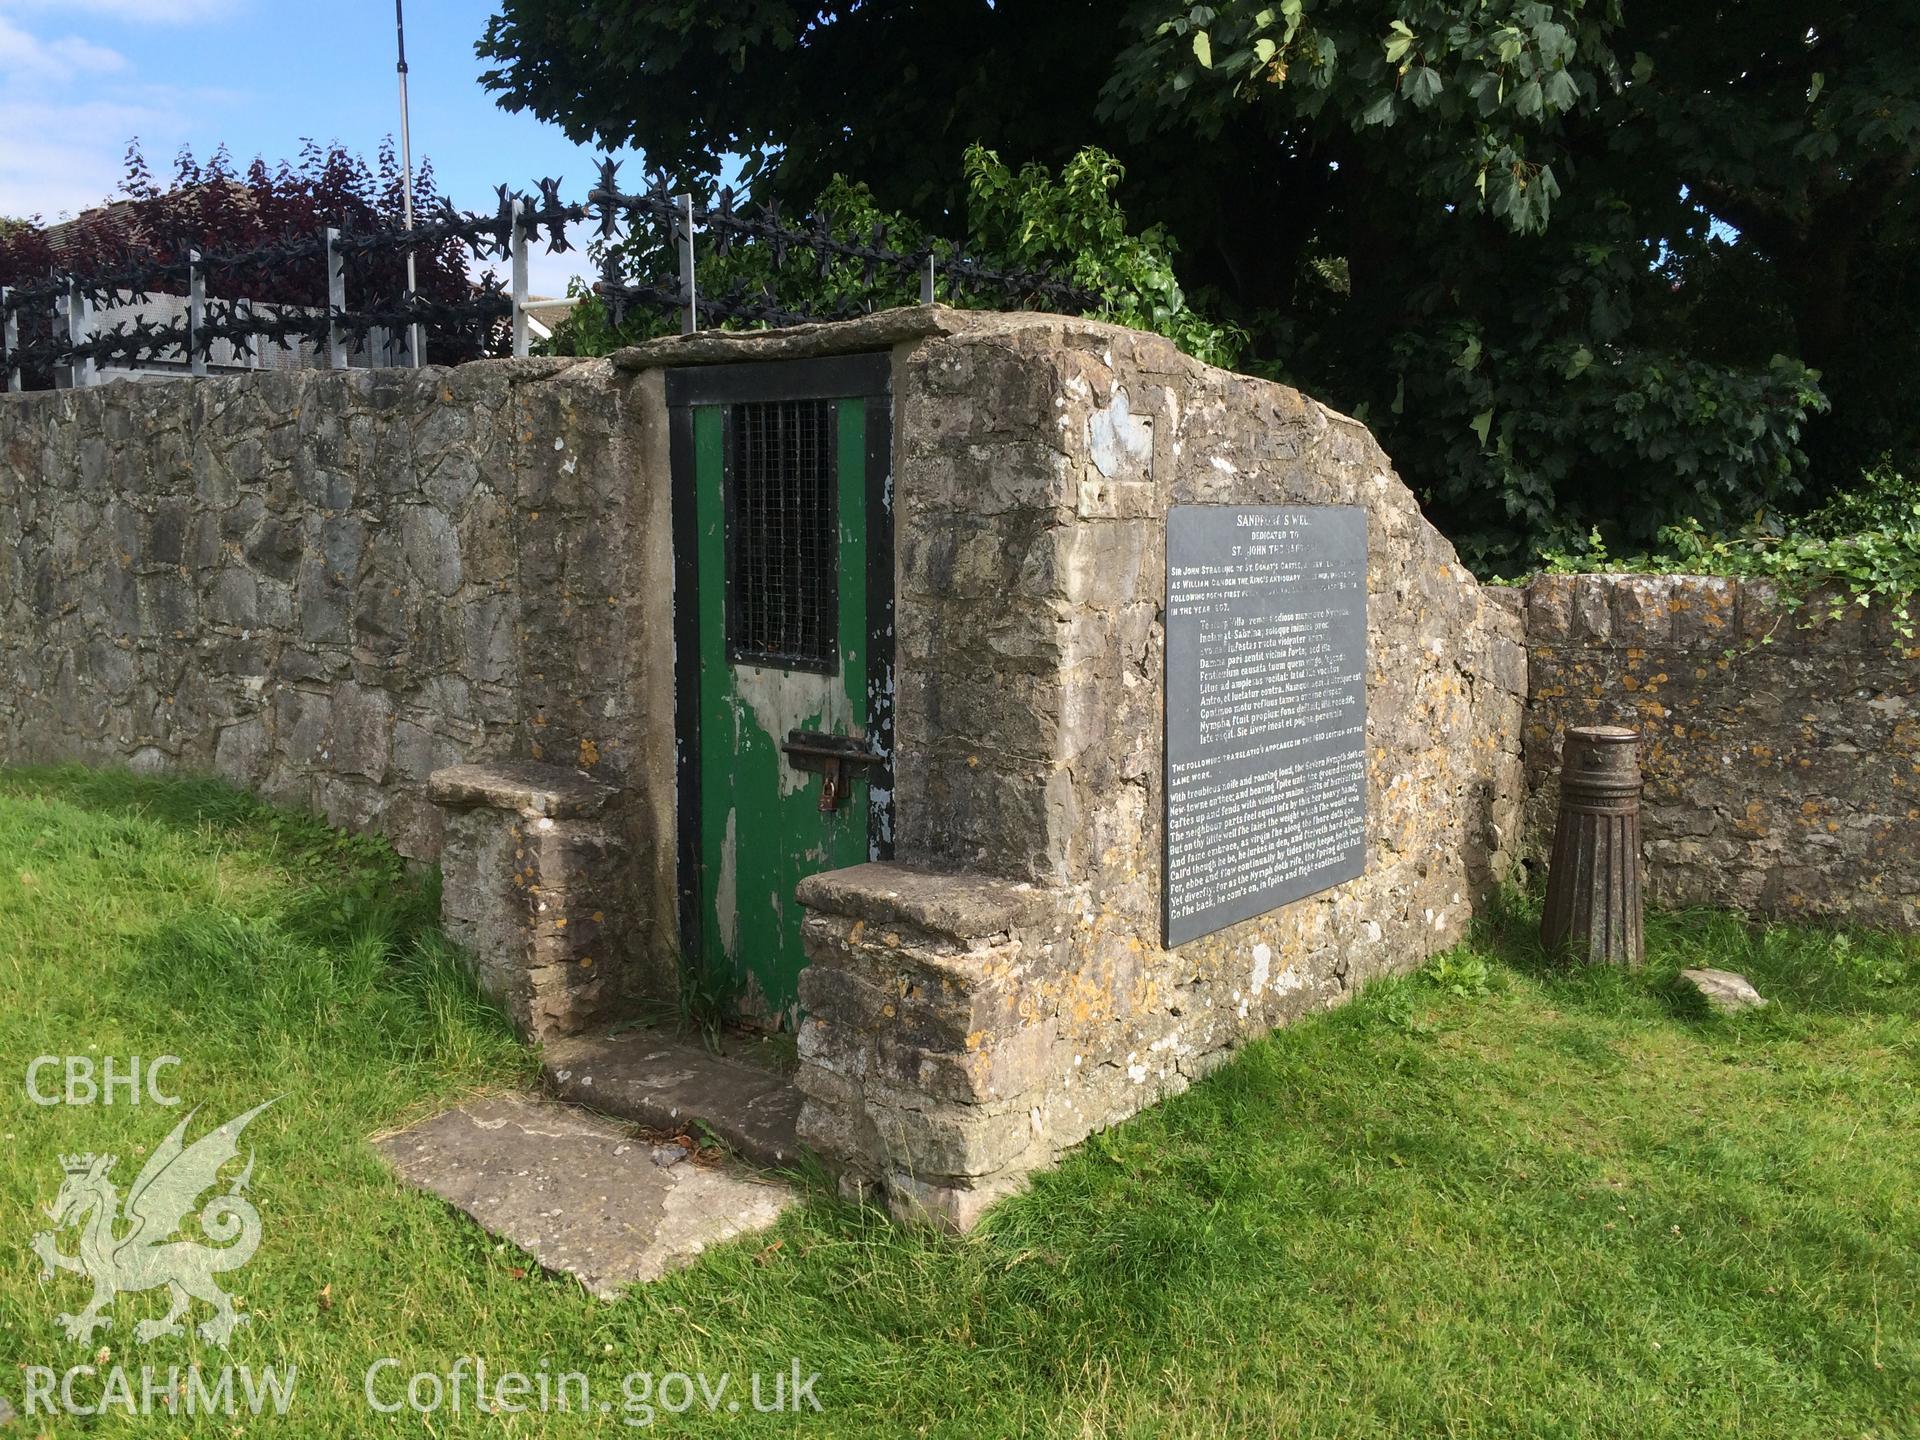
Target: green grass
column 1494, row 1199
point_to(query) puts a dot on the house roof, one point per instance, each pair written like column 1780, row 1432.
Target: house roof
column 129, row 223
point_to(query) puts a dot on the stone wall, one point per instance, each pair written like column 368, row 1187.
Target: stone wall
column 1781, row 747
column 329, row 587
column 326, row 586
column 1000, row 991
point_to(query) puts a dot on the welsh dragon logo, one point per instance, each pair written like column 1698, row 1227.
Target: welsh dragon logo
column 131, row 1247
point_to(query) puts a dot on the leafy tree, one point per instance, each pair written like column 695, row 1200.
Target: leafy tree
column 218, row 208
column 1776, row 141
column 1578, row 260
column 1016, row 220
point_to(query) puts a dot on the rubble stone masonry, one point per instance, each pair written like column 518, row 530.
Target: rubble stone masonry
column 325, row 586
column 1001, row 990
column 1781, row 746
column 331, row 588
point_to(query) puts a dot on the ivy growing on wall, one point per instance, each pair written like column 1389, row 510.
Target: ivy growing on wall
column 1861, row 549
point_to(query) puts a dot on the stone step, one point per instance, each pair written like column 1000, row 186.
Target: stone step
column 668, row 1081
column 578, row 1192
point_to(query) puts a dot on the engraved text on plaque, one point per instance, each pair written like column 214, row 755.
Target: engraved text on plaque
column 1266, row 708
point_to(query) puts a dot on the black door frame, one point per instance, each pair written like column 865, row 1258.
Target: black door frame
column 866, row 377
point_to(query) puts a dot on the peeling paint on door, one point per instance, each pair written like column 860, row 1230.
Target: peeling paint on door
column 761, row 828
column 785, row 700
column 726, row 894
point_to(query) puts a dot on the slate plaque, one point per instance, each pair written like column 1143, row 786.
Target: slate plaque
column 1266, row 779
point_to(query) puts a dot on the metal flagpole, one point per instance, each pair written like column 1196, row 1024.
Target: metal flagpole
column 416, row 339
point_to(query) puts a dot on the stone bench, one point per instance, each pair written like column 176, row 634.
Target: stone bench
column 529, row 862
column 925, row 1032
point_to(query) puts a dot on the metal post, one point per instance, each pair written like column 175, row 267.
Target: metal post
column 1593, row 909
column 926, row 279
column 89, row 368
column 416, row 334
column 336, row 301
column 80, row 315
column 196, row 314
column 518, row 251
column 62, row 374
column 689, row 297
column 10, row 338
column 78, row 372
column 256, row 342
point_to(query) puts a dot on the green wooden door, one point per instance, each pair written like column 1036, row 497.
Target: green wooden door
column 785, row 649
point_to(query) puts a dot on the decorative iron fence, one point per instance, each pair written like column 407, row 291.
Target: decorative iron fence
column 148, row 314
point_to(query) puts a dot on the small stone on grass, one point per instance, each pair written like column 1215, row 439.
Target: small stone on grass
column 1725, row 991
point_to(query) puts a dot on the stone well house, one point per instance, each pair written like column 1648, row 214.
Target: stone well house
column 850, row 674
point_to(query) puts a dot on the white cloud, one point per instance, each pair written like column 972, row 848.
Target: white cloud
column 26, row 58
column 84, row 55
column 64, row 158
column 145, row 12
column 68, row 107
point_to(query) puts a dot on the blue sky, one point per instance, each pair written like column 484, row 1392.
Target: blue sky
column 78, row 78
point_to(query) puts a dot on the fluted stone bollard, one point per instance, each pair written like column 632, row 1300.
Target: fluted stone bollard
column 1593, row 879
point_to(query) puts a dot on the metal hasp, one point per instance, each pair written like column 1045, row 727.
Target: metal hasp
column 1593, row 879
column 830, row 755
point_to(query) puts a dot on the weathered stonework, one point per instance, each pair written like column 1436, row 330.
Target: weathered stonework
column 1781, row 748
column 528, row 865
column 330, row 587
column 1001, row 992
column 326, row 586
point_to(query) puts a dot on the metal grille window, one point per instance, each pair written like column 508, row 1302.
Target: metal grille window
column 782, row 592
